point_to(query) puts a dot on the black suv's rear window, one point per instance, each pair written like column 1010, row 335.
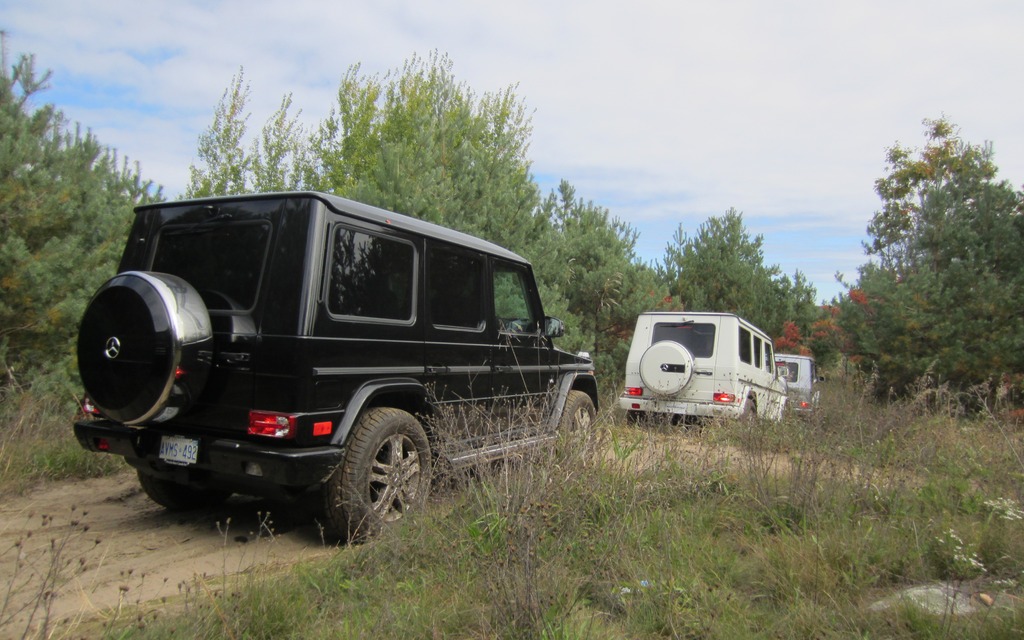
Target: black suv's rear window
column 698, row 338
column 223, row 262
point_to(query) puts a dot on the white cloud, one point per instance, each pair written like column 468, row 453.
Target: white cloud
column 666, row 113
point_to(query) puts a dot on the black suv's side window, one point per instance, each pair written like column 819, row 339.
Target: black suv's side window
column 512, row 300
column 455, row 298
column 371, row 276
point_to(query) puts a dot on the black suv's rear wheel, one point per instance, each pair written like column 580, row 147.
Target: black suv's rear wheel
column 144, row 347
column 384, row 475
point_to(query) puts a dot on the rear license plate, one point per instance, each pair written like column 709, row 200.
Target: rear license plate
column 179, row 450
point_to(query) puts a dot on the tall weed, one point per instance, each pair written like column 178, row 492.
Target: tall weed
column 37, row 442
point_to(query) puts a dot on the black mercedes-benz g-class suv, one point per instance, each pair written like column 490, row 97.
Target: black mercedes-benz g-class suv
column 279, row 344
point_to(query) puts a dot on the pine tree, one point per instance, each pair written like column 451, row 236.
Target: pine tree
column 65, row 207
column 590, row 259
column 721, row 268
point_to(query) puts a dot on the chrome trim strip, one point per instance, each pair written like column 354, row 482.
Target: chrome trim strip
column 351, row 371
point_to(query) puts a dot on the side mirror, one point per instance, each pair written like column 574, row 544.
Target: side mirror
column 553, row 327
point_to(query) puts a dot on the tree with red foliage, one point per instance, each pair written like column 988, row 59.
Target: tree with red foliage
column 944, row 294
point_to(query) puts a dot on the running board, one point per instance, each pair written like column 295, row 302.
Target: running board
column 498, row 451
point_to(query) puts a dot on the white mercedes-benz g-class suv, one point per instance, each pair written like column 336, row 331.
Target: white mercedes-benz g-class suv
column 696, row 365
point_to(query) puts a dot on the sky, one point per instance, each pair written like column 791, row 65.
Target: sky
column 664, row 112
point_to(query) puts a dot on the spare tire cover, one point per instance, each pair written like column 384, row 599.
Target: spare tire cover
column 144, row 347
column 666, row 367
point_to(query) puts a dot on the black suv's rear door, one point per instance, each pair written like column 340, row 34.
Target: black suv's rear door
column 221, row 250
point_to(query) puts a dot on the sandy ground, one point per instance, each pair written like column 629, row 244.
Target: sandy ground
column 78, row 552
column 72, row 552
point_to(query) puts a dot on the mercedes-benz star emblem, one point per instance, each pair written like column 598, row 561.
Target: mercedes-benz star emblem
column 113, row 348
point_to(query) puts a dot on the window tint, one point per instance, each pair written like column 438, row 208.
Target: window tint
column 224, row 262
column 745, row 352
column 512, row 302
column 455, row 293
column 758, row 357
column 769, row 359
column 371, row 276
column 699, row 339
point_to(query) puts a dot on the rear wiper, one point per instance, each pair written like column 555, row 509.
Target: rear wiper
column 218, row 219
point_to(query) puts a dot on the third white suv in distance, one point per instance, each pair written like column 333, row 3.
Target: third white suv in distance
column 802, row 377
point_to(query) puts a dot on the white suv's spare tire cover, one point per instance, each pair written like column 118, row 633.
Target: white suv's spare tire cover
column 666, row 367
column 144, row 347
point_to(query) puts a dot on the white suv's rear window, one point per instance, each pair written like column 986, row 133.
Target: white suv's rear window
column 698, row 338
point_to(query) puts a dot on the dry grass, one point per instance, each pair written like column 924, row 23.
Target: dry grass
column 787, row 529
column 37, row 442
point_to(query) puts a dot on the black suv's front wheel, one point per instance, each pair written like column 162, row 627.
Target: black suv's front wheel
column 384, row 475
column 579, row 412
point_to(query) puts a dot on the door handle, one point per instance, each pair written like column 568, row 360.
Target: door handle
column 226, row 357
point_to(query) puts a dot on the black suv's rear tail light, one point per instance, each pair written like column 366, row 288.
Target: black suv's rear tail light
column 272, row 425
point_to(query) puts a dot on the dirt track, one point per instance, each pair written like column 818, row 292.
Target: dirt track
column 100, row 545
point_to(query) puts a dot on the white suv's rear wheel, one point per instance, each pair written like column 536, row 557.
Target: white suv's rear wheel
column 666, row 367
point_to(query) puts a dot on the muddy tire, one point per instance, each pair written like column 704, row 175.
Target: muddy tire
column 578, row 414
column 178, row 497
column 144, row 347
column 749, row 414
column 385, row 474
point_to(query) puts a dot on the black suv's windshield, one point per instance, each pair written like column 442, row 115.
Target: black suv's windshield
column 223, row 262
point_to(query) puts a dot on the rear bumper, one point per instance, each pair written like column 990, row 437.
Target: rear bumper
column 222, row 463
column 699, row 409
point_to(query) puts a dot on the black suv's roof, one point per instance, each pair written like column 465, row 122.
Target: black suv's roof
column 363, row 212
